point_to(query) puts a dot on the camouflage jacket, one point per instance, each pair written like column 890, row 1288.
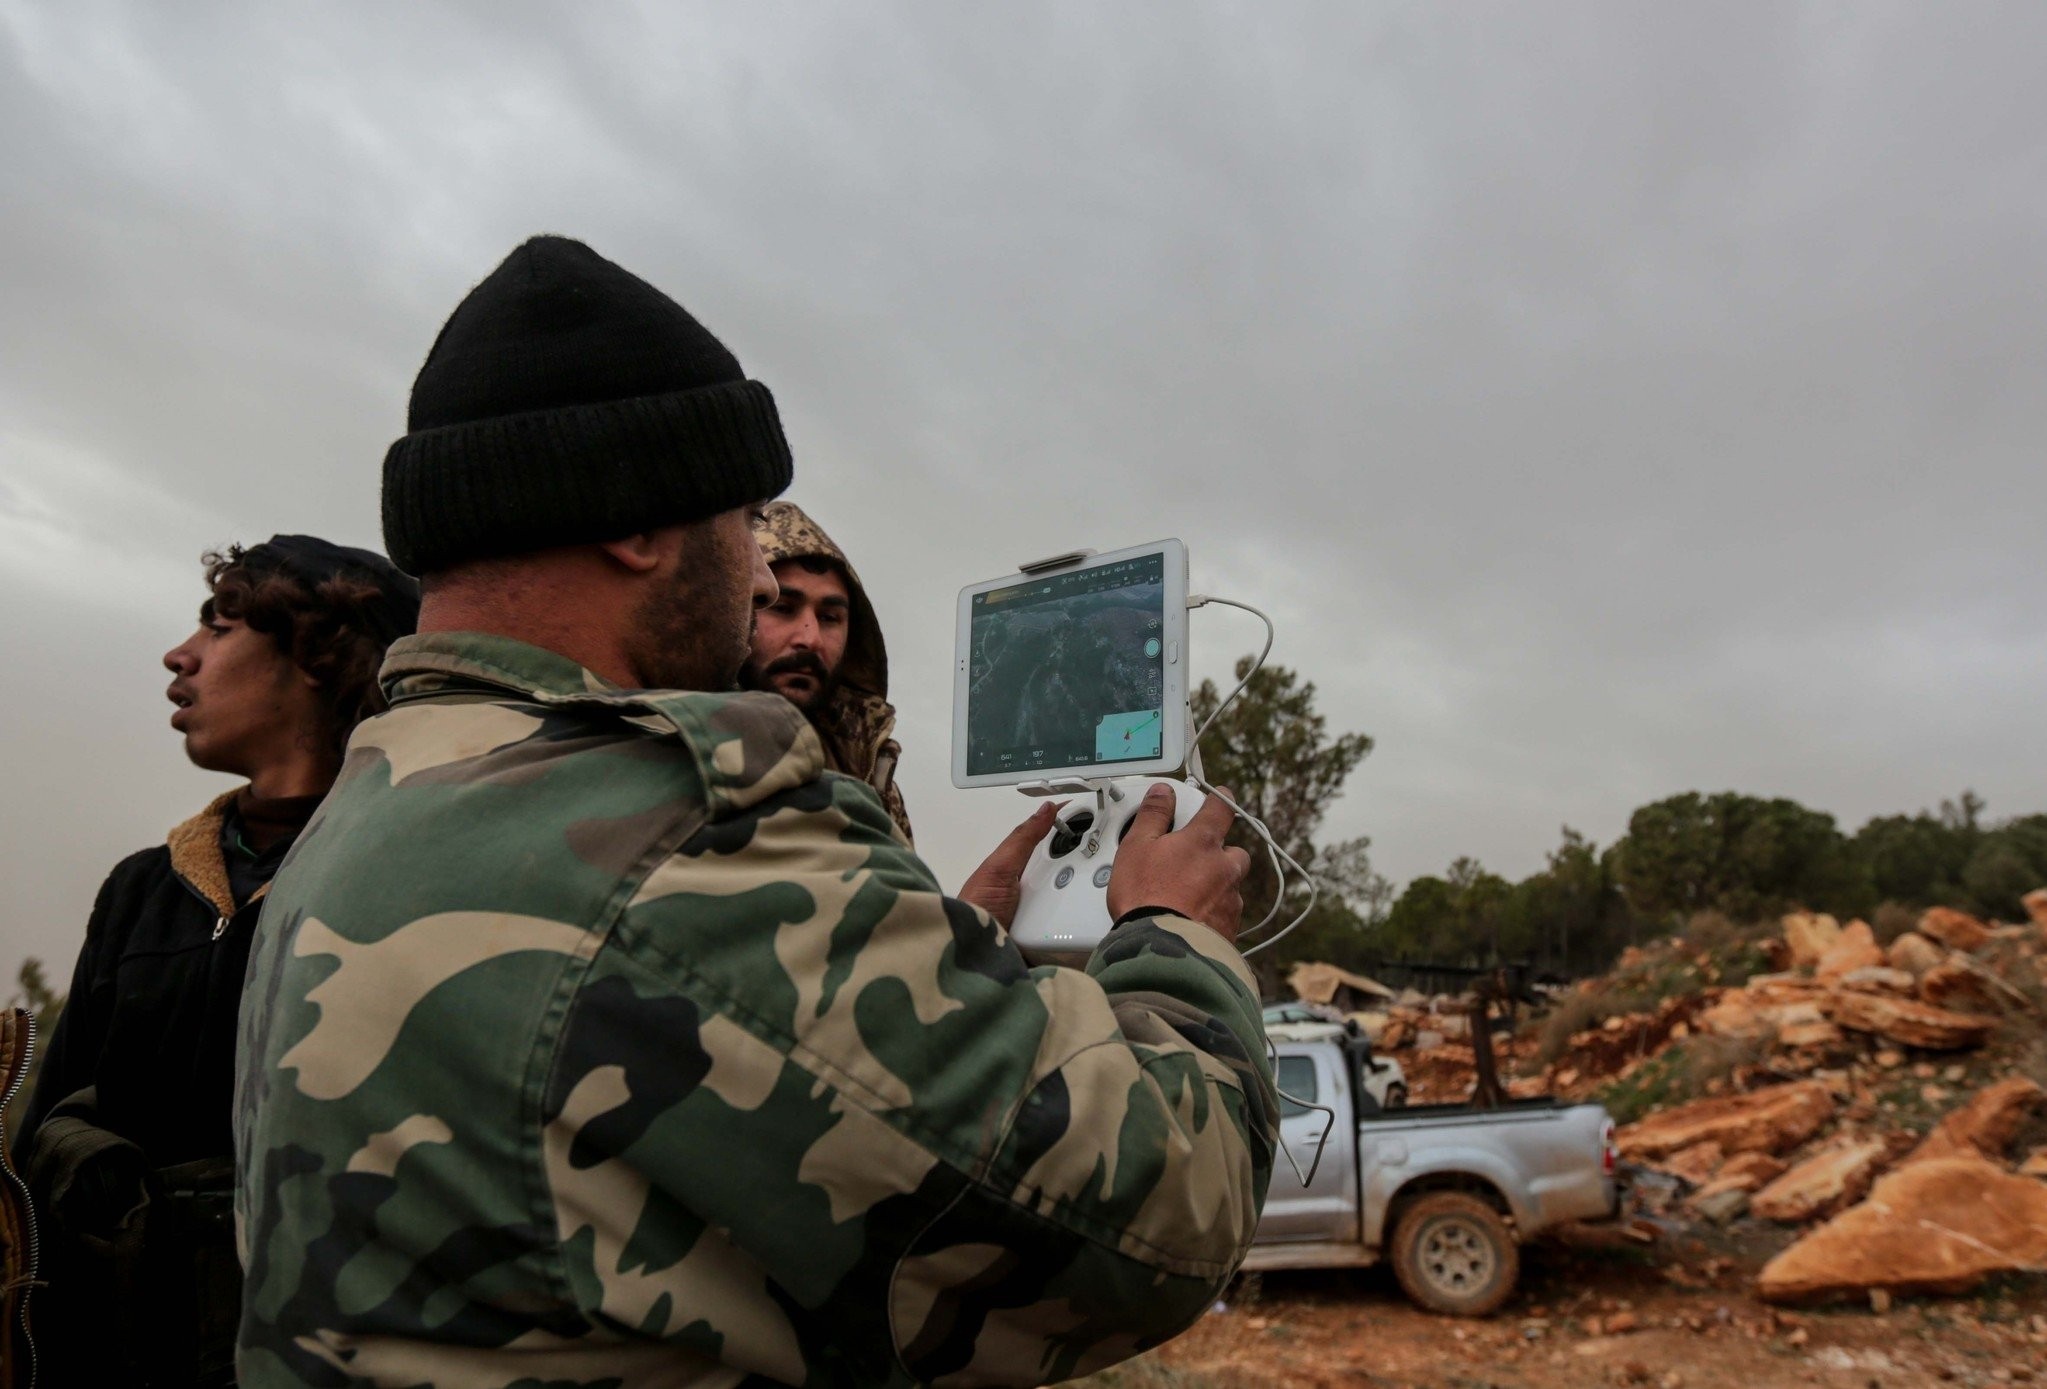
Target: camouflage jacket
column 857, row 725
column 601, row 1036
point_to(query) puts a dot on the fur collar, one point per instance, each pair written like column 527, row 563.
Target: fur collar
column 196, row 855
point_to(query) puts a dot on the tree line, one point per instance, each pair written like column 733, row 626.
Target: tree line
column 1746, row 857
column 1742, row 856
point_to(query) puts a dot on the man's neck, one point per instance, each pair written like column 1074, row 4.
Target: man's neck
column 300, row 775
column 507, row 608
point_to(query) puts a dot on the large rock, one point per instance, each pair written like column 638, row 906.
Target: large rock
column 1810, row 935
column 1956, row 982
column 1986, row 1125
column 1938, row 1226
column 2035, row 903
column 1766, row 1121
column 1719, row 1204
column 1914, row 953
column 1696, row 1162
column 1956, row 930
column 1794, row 1014
column 1908, row 1023
column 1823, row 1184
column 1750, row 1170
column 1817, row 1032
column 1733, row 1016
column 1738, row 1176
column 1781, row 988
column 1854, row 948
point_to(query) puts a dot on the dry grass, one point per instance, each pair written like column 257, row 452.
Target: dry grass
column 1892, row 920
column 1717, row 934
column 1709, row 1057
column 1662, row 970
column 2032, row 1064
column 1576, row 1011
column 2020, row 1000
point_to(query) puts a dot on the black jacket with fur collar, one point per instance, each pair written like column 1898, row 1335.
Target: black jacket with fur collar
column 150, row 1022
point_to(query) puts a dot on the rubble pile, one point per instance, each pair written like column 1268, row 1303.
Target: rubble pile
column 1875, row 1112
column 1879, row 1105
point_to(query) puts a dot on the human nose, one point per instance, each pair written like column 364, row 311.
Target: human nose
column 765, row 589
column 180, row 659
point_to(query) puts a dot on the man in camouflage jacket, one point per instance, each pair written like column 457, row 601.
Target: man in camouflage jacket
column 598, row 1034
column 838, row 678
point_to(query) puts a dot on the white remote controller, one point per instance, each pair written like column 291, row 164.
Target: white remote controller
column 1064, row 910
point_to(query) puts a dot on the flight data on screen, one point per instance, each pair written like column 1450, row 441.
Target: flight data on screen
column 1067, row 670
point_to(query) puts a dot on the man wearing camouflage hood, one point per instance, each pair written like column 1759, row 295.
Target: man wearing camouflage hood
column 819, row 646
column 597, row 1033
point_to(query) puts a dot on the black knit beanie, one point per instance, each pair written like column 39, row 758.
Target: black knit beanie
column 567, row 400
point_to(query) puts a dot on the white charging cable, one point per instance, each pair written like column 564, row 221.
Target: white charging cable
column 1202, row 600
column 1273, row 850
column 1278, row 857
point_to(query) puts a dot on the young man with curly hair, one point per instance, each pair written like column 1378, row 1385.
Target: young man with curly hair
column 127, row 1141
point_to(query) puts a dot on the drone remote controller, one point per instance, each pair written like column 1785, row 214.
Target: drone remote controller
column 1063, row 913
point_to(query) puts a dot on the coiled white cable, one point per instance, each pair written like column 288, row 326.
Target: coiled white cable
column 1278, row 857
column 1272, row 848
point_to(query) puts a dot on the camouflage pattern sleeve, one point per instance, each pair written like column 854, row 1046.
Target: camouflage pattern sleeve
column 863, row 1142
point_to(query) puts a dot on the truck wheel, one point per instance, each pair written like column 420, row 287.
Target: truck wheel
column 1454, row 1254
column 1396, row 1096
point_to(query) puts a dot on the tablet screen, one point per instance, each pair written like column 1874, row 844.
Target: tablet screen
column 1068, row 669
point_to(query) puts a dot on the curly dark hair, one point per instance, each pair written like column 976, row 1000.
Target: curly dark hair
column 323, row 630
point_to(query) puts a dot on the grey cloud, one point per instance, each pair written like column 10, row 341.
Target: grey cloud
column 1606, row 400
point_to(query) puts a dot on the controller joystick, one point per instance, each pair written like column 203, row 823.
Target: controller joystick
column 1069, row 832
column 1063, row 912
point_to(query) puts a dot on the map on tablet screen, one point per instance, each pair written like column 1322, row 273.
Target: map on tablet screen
column 1069, row 669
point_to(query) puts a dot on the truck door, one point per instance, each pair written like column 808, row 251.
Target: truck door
column 1327, row 1209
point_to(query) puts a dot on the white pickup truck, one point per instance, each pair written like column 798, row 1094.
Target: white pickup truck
column 1447, row 1192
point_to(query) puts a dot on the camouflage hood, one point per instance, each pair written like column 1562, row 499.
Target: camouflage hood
column 858, row 721
column 785, row 532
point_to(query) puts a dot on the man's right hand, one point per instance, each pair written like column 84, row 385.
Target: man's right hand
column 1189, row 871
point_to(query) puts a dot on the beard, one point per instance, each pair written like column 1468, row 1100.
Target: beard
column 754, row 676
column 695, row 631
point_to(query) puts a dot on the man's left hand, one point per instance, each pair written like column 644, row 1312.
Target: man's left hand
column 997, row 885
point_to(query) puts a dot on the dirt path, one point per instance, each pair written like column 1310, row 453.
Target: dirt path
column 1594, row 1314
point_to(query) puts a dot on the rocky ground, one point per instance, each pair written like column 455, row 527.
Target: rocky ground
column 1837, row 1149
column 1597, row 1309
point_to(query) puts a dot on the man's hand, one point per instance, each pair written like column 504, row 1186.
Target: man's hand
column 997, row 885
column 1189, row 870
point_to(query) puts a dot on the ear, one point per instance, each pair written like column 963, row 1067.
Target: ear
column 640, row 553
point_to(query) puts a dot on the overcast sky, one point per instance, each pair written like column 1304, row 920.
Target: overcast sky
column 1606, row 400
